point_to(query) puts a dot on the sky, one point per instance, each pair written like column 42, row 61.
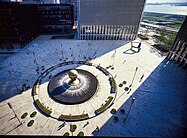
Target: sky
column 154, row 1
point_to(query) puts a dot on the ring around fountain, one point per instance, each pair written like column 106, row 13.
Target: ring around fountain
column 72, row 86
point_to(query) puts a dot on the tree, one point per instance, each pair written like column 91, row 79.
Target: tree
column 165, row 39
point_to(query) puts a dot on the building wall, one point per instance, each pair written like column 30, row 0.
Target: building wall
column 109, row 19
column 40, row 1
column 56, row 18
column 18, row 24
column 21, row 23
column 178, row 51
column 74, row 3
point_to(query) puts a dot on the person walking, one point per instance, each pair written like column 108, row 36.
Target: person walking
column 64, row 123
column 97, row 129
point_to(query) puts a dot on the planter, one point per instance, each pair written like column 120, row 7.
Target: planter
column 122, row 111
column 24, row 115
column 43, row 107
column 116, row 119
column 33, row 114
column 73, row 128
column 103, row 107
column 124, row 82
column 66, row 134
column 126, row 88
column 107, row 67
column 74, row 117
column 31, row 122
column 113, row 111
column 80, row 134
column 120, row 85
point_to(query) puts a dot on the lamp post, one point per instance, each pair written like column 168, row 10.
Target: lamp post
column 132, row 101
column 133, row 76
column 113, row 60
column 16, row 117
column 14, row 113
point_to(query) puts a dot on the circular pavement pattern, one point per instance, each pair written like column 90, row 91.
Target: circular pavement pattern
column 54, row 96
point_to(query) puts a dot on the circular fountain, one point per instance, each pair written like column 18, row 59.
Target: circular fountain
column 72, row 86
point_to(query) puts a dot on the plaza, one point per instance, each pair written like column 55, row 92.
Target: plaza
column 157, row 85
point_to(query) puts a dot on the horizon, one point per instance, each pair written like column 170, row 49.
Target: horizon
column 165, row 1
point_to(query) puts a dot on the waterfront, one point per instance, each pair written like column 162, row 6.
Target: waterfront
column 167, row 9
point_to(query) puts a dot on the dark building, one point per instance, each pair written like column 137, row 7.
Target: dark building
column 56, row 18
column 178, row 51
column 21, row 23
column 18, row 25
column 75, row 6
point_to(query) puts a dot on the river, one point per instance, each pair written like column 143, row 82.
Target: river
column 168, row 9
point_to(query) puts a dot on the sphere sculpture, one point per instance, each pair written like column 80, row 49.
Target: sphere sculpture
column 73, row 74
column 72, row 86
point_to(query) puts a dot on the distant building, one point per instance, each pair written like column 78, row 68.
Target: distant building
column 56, row 18
column 21, row 23
column 109, row 19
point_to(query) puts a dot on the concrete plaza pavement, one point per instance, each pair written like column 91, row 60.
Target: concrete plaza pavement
column 159, row 88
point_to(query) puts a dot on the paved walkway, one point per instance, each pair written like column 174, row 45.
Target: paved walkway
column 159, row 88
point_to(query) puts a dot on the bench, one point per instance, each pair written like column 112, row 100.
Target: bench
column 113, row 85
column 73, row 117
column 36, row 87
column 42, row 107
column 104, row 107
column 136, row 46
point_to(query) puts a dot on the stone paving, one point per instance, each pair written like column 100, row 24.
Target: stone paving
column 159, row 88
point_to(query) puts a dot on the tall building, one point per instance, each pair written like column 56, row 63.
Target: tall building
column 56, row 18
column 178, row 51
column 21, row 23
column 74, row 3
column 109, row 19
column 18, row 24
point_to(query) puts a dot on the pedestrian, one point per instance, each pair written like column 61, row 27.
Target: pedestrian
column 141, row 78
column 139, row 46
column 97, row 128
column 64, row 123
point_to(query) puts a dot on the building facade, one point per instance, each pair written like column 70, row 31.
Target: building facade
column 109, row 19
column 74, row 3
column 18, row 24
column 21, row 23
column 56, row 18
column 39, row 1
column 178, row 51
